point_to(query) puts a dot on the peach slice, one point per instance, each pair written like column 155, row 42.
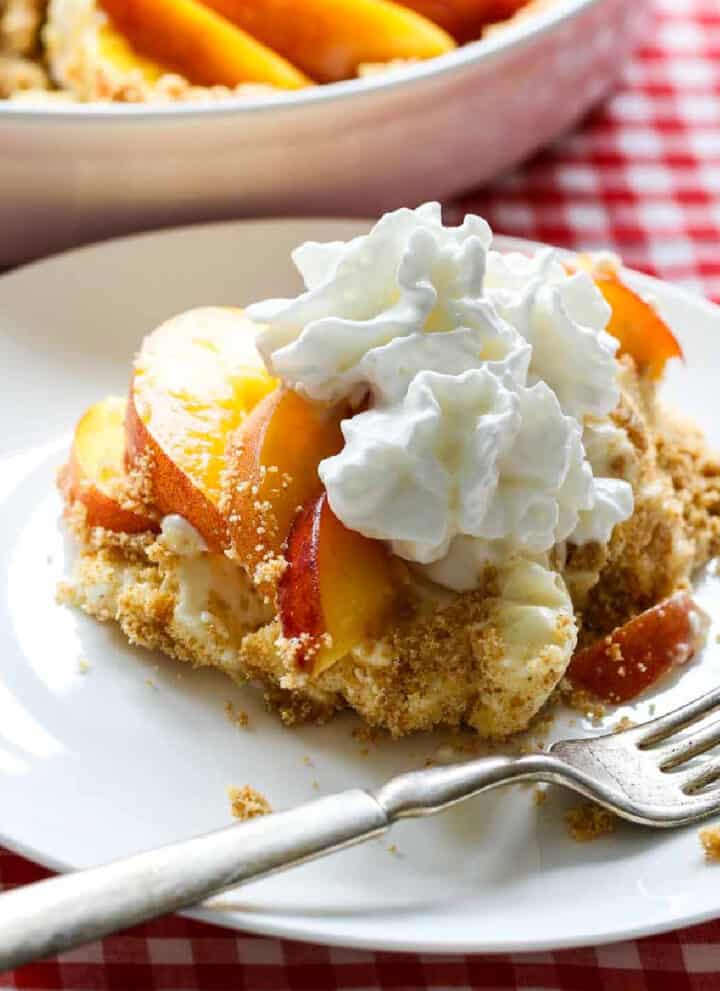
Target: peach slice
column 195, row 380
column 465, row 19
column 115, row 49
column 337, row 590
column 206, row 48
column 329, row 40
column 637, row 654
column 642, row 332
column 95, row 471
column 272, row 472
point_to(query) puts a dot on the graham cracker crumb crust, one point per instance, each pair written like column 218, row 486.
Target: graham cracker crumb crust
column 238, row 717
column 248, row 803
column 588, row 822
column 710, row 840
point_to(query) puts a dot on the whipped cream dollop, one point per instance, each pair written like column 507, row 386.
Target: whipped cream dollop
column 478, row 374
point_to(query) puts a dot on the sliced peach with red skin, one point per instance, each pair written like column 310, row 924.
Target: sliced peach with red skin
column 465, row 19
column 635, row 323
column 195, row 380
column 338, row 588
column 642, row 332
column 329, row 40
column 633, row 657
column 95, row 472
column 190, row 38
column 273, row 471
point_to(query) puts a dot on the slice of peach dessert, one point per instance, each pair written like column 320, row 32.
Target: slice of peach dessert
column 436, row 487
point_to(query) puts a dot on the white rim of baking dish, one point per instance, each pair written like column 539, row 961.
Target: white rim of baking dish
column 513, row 36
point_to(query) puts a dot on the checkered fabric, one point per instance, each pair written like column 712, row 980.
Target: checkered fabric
column 642, row 176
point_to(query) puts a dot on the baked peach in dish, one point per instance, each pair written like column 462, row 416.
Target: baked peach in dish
column 166, row 50
column 437, row 487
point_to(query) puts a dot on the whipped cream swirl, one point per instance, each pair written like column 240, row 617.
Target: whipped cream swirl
column 479, row 371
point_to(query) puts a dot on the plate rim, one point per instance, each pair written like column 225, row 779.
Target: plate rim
column 283, row 927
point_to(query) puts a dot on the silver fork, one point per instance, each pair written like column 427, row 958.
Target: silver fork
column 640, row 774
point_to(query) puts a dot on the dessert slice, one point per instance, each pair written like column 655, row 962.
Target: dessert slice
column 413, row 490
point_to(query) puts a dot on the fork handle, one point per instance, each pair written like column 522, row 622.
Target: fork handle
column 47, row 917
column 50, row 916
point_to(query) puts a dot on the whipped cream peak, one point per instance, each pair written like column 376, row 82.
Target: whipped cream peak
column 563, row 317
column 419, row 452
column 484, row 341
column 462, row 455
column 409, row 275
column 478, row 373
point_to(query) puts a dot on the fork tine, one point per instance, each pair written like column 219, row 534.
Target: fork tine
column 677, row 753
column 664, row 726
column 694, row 780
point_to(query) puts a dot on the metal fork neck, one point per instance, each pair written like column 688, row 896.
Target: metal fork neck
column 428, row 791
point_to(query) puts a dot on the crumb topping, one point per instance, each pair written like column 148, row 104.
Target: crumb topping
column 238, row 717
column 588, row 822
column 710, row 840
column 248, row 803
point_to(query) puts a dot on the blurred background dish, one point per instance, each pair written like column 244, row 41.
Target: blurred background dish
column 164, row 51
column 76, row 171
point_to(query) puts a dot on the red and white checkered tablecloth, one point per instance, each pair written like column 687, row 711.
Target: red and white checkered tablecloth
column 642, row 176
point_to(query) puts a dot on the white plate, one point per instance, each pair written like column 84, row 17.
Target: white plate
column 96, row 765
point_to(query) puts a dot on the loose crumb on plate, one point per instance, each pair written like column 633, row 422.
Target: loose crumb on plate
column 365, row 734
column 622, row 724
column 588, row 822
column 238, row 717
column 248, row 803
column 83, row 665
column 582, row 702
column 710, row 839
